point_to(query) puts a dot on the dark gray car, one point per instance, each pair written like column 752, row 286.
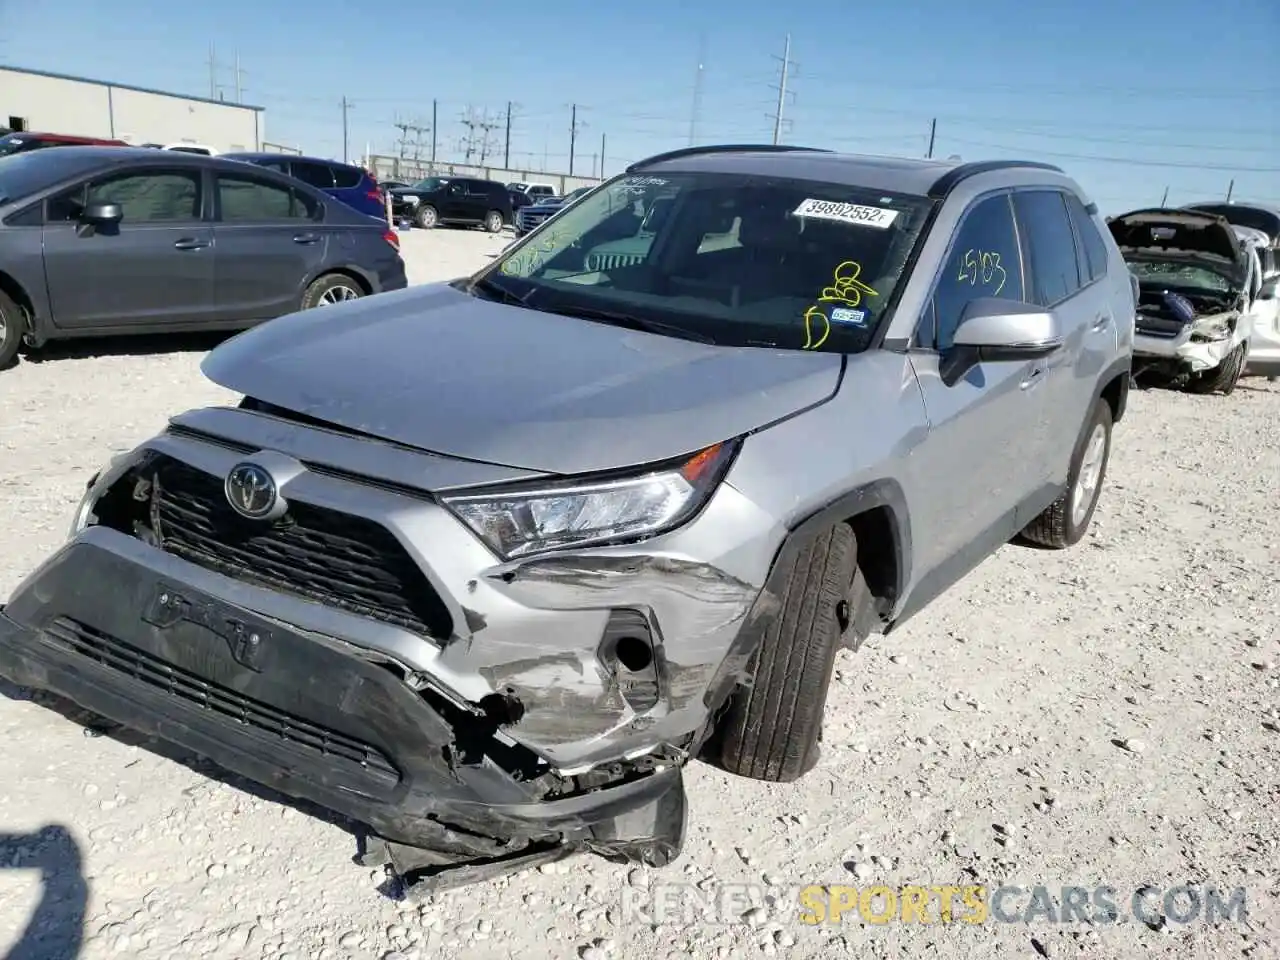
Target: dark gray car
column 98, row 241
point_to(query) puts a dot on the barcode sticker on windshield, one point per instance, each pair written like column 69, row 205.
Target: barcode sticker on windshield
column 853, row 213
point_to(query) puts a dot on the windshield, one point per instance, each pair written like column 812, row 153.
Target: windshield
column 736, row 259
column 1179, row 275
column 431, row 183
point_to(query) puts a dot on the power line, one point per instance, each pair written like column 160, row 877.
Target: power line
column 478, row 139
column 1173, row 164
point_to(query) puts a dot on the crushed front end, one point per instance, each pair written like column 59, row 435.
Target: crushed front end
column 358, row 646
column 1175, row 336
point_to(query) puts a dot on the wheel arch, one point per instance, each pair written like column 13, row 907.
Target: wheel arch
column 16, row 292
column 346, row 270
column 1113, row 386
column 877, row 511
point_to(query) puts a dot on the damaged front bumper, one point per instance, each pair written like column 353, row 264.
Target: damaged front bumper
column 1191, row 349
column 534, row 709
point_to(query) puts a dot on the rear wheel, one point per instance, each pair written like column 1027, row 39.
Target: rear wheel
column 426, row 216
column 772, row 727
column 1224, row 376
column 330, row 289
column 493, row 221
column 13, row 324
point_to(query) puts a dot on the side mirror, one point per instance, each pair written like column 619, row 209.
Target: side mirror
column 100, row 213
column 1269, row 289
column 992, row 330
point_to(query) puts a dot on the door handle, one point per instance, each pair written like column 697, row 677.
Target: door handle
column 1032, row 378
column 191, row 243
column 306, row 238
column 1103, row 321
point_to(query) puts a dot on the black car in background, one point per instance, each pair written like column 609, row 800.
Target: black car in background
column 527, row 218
column 99, row 241
column 454, row 200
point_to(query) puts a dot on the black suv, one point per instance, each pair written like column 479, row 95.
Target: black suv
column 437, row 200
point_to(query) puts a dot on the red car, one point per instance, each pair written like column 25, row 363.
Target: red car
column 22, row 141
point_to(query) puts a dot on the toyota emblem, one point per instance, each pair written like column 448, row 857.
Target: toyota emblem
column 252, row 493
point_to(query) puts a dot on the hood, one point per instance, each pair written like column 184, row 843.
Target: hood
column 1181, row 236
column 434, row 368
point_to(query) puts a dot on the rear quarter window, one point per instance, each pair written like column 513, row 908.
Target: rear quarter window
column 1093, row 247
column 344, row 178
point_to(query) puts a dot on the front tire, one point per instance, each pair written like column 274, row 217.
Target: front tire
column 13, row 324
column 330, row 289
column 1224, row 376
column 426, row 217
column 1065, row 521
column 771, row 729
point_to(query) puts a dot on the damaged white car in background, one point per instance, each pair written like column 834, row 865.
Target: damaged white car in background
column 1199, row 287
column 1264, row 337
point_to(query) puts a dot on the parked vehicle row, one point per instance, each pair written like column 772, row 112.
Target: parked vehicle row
column 111, row 240
column 729, row 412
column 527, row 218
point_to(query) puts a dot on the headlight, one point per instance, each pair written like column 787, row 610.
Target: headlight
column 1211, row 329
column 519, row 521
column 98, row 484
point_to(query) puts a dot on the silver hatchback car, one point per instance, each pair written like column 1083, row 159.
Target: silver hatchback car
column 483, row 564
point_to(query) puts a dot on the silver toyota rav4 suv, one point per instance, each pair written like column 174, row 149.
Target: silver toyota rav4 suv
column 482, row 564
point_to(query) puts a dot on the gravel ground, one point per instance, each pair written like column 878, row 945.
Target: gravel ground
column 1106, row 715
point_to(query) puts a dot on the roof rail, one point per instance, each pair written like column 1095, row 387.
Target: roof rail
column 724, row 148
column 953, row 177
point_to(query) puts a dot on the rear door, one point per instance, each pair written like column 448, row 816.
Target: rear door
column 271, row 242
column 456, row 202
column 1061, row 283
column 156, row 265
column 985, row 430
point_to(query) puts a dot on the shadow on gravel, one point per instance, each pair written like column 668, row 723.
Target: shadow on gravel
column 94, row 725
column 56, row 928
column 129, row 346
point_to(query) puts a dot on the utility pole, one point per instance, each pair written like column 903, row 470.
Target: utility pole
column 403, row 140
column 602, row 156
column 782, row 90
column 346, row 105
column 933, row 132
column 1231, row 188
column 213, row 73
column 469, row 121
column 1165, row 199
column 506, row 153
column 434, row 127
column 239, row 80
column 574, row 127
column 697, row 92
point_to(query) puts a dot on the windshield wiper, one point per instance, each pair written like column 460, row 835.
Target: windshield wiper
column 632, row 322
column 497, row 291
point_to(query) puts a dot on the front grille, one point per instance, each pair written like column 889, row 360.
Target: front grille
column 302, row 736
column 527, row 220
column 334, row 558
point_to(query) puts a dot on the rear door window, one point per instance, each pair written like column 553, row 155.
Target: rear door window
column 1050, row 245
column 244, row 198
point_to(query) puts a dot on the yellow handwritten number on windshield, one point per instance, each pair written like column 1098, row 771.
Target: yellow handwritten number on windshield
column 982, row 266
column 845, row 286
column 815, row 314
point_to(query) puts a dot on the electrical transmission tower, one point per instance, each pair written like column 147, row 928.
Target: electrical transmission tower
column 479, row 140
column 779, row 123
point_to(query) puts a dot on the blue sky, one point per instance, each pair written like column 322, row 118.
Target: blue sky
column 1129, row 96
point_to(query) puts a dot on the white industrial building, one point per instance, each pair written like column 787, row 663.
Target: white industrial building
column 43, row 102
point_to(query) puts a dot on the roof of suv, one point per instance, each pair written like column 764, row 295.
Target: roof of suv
column 933, row 178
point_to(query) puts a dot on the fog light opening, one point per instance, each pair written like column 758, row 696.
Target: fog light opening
column 633, row 654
